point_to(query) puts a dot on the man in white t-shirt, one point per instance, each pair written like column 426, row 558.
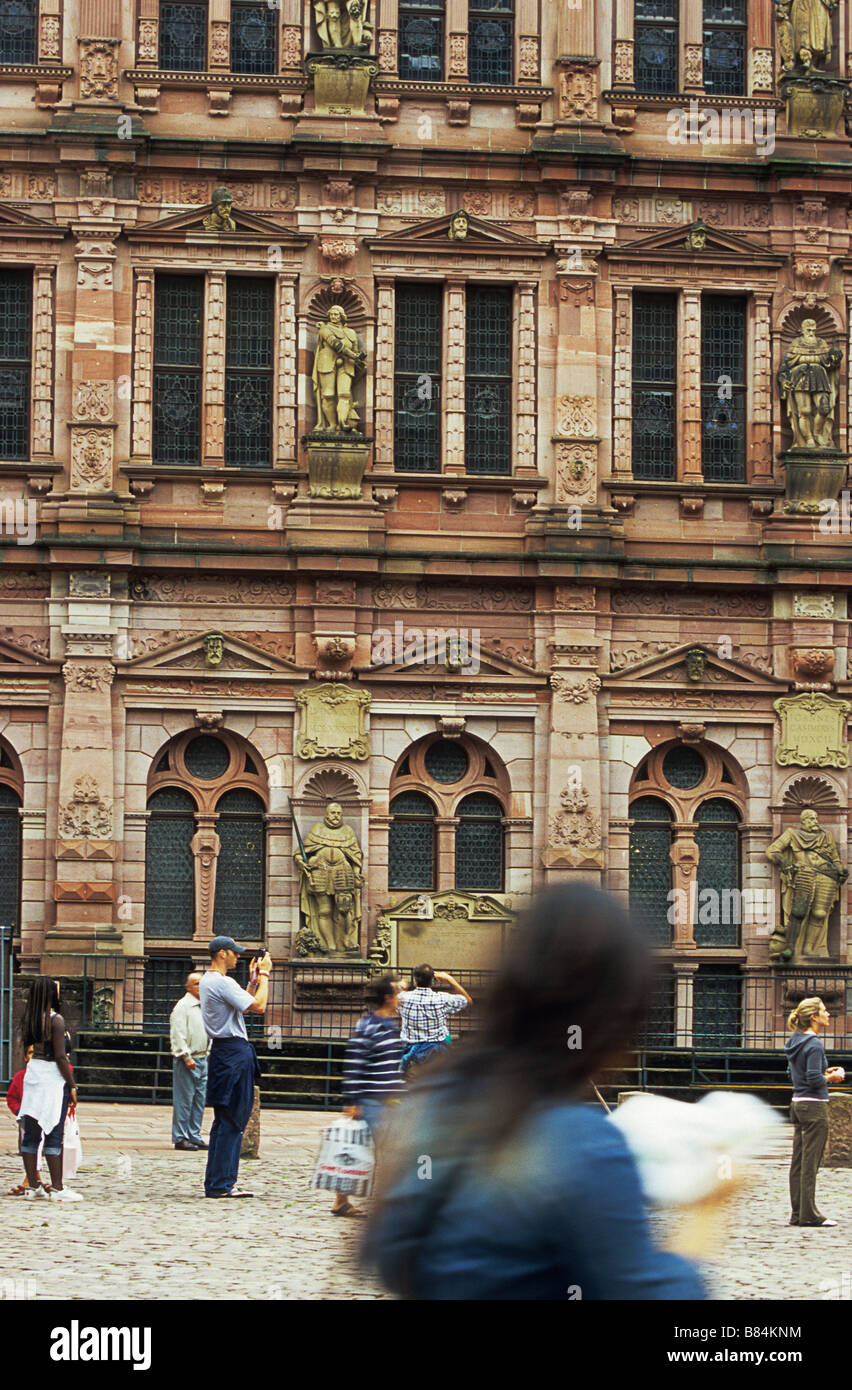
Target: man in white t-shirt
column 233, row 1067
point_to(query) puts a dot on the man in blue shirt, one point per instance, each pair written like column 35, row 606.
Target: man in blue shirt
column 233, row 1067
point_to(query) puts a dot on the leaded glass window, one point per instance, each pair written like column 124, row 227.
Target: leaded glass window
column 491, row 42
column 169, row 865
column 654, row 380
column 655, row 46
column 723, row 388
column 16, row 310
column 421, row 41
column 659, row 1023
column 417, row 379
column 411, row 842
column 164, row 981
column 248, row 373
column 18, row 31
column 183, row 37
column 446, row 761
column 10, row 857
column 253, row 39
column 178, row 337
column 718, row 903
column 206, row 757
column 488, row 380
column 238, row 910
column 684, row 767
column 717, row 1007
column 479, row 844
column 651, row 867
column 724, row 46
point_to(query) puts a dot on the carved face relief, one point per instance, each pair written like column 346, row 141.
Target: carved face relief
column 695, row 663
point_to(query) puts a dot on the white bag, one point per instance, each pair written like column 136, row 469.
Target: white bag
column 346, row 1159
column 72, row 1149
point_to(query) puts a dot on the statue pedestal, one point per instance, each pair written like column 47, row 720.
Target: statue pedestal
column 340, row 525
column 814, row 479
column 341, row 81
column 327, row 985
column 336, row 464
column 814, row 105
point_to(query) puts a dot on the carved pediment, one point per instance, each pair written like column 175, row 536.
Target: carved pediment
column 191, row 654
column 479, row 235
column 679, row 244
column 249, row 227
column 17, row 654
column 451, row 905
column 484, row 663
column 694, row 665
column 14, row 222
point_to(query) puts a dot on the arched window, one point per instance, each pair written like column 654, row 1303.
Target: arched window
column 238, row 908
column 411, row 842
column 479, row 844
column 10, row 856
column 718, row 911
column 169, row 879
column 651, row 867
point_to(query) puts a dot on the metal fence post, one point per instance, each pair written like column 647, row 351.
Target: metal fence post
column 5, row 1005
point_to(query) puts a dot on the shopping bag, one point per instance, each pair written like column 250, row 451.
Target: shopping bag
column 72, row 1149
column 346, row 1159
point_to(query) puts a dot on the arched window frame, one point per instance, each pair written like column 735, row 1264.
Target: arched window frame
column 401, row 817
column 12, row 777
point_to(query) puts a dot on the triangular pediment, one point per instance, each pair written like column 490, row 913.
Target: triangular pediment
column 14, row 654
column 250, row 226
column 480, row 663
column 451, row 905
column 13, row 221
column 480, row 235
column 671, row 668
column 191, row 655
column 674, row 243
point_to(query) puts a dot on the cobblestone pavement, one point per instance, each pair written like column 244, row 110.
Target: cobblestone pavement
column 145, row 1232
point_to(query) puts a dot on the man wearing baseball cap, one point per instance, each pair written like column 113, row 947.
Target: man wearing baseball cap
column 233, row 1069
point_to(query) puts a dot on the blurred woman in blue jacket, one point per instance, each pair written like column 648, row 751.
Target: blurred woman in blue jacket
column 500, row 1180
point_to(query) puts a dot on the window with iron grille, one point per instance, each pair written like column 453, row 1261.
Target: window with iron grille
column 658, row 1028
column 169, row 865
column 492, row 42
column 254, row 39
column 178, row 339
column 248, row 373
column 724, row 46
column 684, row 767
column 411, row 842
column 488, row 380
column 164, row 983
column 479, row 844
column 654, row 382
column 16, row 312
column 723, row 388
column 718, row 902
column 206, row 757
column 447, row 761
column 183, row 37
column 18, row 31
column 238, row 909
column 717, row 1007
column 421, row 40
column 10, row 857
column 417, row 379
column 655, row 50
column 651, row 867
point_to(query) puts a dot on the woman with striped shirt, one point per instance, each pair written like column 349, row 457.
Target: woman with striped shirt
column 371, row 1072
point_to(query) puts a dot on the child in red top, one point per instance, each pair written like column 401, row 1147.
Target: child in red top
column 14, row 1099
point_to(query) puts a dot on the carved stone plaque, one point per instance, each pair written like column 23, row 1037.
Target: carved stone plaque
column 813, row 730
column 332, row 722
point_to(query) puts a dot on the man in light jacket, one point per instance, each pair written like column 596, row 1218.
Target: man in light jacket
column 190, row 1046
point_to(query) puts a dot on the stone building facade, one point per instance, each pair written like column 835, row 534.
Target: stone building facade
column 578, row 469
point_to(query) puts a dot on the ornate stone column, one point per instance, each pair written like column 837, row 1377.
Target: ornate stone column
column 572, row 836
column 205, row 845
column 213, row 432
column 684, row 856
column 43, row 335
column 761, row 411
column 454, row 377
column 684, row 973
column 93, row 365
column 385, row 334
column 285, row 423
column 689, row 386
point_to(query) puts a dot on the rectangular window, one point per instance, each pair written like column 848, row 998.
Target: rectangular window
column 723, row 388
column 421, row 40
column 724, row 46
column 654, row 382
column 655, row 46
column 254, row 39
column 16, row 316
column 18, row 31
column 717, row 1007
column 183, row 37
column 492, row 42
column 417, row 379
column 248, row 373
column 178, row 339
column 488, row 380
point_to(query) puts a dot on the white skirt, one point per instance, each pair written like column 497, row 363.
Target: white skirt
column 44, row 1092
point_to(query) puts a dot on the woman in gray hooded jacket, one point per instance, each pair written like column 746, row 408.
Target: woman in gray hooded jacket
column 810, row 1075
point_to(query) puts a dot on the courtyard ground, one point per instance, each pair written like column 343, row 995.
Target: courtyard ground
column 145, row 1232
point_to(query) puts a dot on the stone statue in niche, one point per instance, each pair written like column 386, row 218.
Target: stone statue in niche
column 336, row 361
column 220, row 219
column 330, row 898
column 804, row 34
column 807, row 382
column 342, row 24
column 811, row 875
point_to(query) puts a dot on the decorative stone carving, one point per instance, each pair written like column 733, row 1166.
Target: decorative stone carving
column 387, row 50
column 623, row 65
column 219, row 219
column 89, row 584
column 529, row 63
column 625, row 209
column 99, row 69
column 244, row 593
column 813, row 664
column 669, row 211
column 332, row 723
column 214, row 648
column 810, row 792
column 574, row 598
column 578, row 92
column 337, row 359
column 575, row 830
column 693, row 74
column 478, row 598
column 91, row 458
column 342, row 26
column 41, row 188
column 762, row 69
column 432, row 201
column 87, row 816
column 813, row 605
column 80, row 676
column 338, row 250
column 50, row 35
column 389, row 201
column 94, row 275
column 576, row 692
column 385, row 335
column 42, row 440
column 205, row 846
column 576, row 417
column 93, row 400
column 757, row 214
column 746, row 605
column 334, row 654
column 457, row 60
column 147, row 41
column 811, row 875
column 291, row 46
column 576, row 467
column 813, row 731
column 330, row 894
column 220, row 43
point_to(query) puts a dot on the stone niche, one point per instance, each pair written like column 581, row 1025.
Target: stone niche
column 450, row 930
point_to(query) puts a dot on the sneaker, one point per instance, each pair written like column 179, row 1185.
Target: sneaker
column 34, row 1192
column 64, row 1194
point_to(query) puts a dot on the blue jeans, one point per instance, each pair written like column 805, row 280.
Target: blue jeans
column 31, row 1131
column 223, row 1156
column 373, row 1111
column 189, row 1091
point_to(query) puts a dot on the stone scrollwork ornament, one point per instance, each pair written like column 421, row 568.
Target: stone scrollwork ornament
column 332, row 722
